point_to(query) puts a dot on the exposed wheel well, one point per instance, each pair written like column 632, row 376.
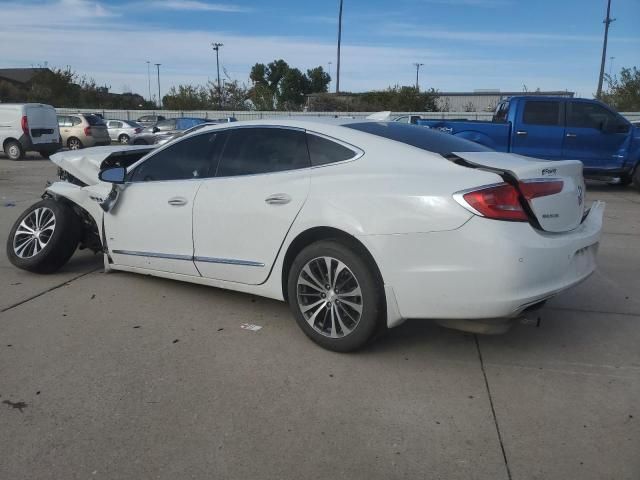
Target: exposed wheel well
column 323, row 233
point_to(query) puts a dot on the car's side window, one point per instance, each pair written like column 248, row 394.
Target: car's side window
column 540, row 112
column 251, row 151
column 75, row 121
column 323, row 151
column 592, row 115
column 502, row 112
column 186, row 159
column 116, row 124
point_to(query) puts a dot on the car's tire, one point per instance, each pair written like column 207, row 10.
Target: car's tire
column 58, row 231
column 14, row 150
column 74, row 143
column 623, row 181
column 123, row 139
column 342, row 321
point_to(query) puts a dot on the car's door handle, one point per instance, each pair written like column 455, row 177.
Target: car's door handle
column 278, row 199
column 571, row 135
column 522, row 133
column 177, row 201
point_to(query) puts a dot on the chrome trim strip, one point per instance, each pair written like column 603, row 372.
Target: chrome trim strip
column 153, row 255
column 229, row 261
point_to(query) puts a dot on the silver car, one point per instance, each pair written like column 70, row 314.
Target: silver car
column 121, row 131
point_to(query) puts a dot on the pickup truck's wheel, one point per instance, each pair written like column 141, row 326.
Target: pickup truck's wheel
column 14, row 150
column 335, row 295
column 44, row 237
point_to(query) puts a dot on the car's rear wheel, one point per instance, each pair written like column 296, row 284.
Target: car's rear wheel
column 74, row 143
column 335, row 295
column 44, row 237
column 123, row 139
column 14, row 150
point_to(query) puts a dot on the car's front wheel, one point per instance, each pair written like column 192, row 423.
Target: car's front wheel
column 335, row 295
column 44, row 237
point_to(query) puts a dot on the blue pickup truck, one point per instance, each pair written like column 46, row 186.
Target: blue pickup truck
column 557, row 128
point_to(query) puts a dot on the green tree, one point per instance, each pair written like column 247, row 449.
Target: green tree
column 187, row 97
column 318, row 80
column 623, row 91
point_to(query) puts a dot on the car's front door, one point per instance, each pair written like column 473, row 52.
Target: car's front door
column 596, row 136
column 150, row 225
column 539, row 129
column 241, row 216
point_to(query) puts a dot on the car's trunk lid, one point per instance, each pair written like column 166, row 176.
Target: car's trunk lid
column 557, row 212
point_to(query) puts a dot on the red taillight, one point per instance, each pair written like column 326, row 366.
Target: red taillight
column 532, row 190
column 25, row 125
column 87, row 131
column 500, row 202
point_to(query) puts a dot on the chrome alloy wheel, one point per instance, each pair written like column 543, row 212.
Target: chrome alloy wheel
column 34, row 232
column 329, row 297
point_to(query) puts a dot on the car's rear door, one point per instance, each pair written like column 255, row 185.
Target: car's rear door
column 539, row 129
column 150, row 225
column 595, row 135
column 241, row 216
column 43, row 124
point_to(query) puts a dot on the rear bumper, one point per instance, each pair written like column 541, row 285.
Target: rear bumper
column 29, row 146
column 484, row 269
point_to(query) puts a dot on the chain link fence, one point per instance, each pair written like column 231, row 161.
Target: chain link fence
column 257, row 115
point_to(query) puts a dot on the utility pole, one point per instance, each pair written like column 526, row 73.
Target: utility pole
column 418, row 65
column 216, row 47
column 607, row 21
column 149, row 78
column 611, row 59
column 330, row 63
column 339, row 40
column 159, row 97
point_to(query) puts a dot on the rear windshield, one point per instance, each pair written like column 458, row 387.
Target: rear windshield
column 419, row 136
column 93, row 120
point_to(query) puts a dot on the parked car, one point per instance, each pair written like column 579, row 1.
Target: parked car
column 169, row 126
column 148, row 120
column 162, row 138
column 557, row 128
column 26, row 127
column 358, row 225
column 81, row 130
column 121, row 131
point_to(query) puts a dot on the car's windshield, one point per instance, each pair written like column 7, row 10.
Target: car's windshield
column 419, row 136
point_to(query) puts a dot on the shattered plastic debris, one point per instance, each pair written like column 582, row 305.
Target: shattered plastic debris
column 249, row 326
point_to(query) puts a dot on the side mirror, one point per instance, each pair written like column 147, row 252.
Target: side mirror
column 113, row 175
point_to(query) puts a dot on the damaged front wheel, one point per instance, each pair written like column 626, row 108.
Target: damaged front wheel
column 44, row 237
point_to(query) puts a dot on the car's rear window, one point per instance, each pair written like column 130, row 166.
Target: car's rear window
column 419, row 136
column 93, row 120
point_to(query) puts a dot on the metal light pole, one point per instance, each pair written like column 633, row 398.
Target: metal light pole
column 149, row 78
column 339, row 40
column 607, row 21
column 159, row 97
column 330, row 63
column 216, row 47
column 418, row 65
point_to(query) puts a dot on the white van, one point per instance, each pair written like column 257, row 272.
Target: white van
column 26, row 127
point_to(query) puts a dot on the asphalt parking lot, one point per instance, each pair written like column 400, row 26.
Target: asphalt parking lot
column 122, row 376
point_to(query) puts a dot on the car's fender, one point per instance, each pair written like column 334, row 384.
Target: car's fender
column 87, row 198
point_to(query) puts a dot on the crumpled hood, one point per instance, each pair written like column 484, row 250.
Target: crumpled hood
column 85, row 164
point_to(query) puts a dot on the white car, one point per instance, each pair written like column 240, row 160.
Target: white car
column 358, row 225
column 26, row 127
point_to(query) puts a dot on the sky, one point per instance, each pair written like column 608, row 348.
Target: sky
column 464, row 44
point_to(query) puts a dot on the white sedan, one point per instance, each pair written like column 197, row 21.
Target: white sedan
column 358, row 225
